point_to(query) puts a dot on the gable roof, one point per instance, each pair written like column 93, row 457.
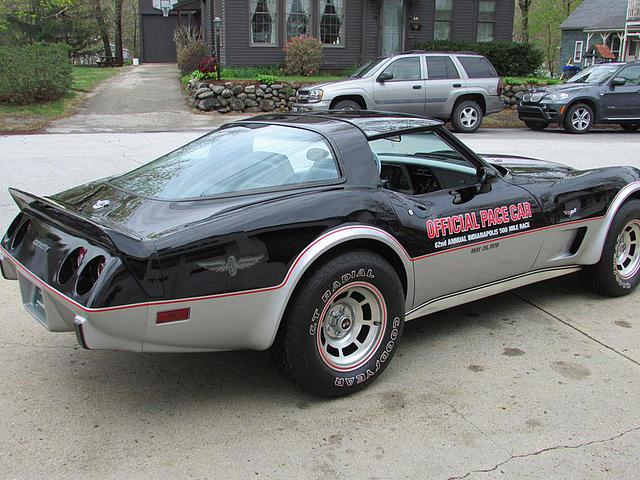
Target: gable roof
column 597, row 15
column 602, row 51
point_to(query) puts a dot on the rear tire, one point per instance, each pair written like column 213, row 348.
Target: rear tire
column 467, row 117
column 347, row 105
column 578, row 119
column 630, row 127
column 618, row 271
column 538, row 126
column 342, row 325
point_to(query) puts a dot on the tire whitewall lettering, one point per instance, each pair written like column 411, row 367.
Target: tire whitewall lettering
column 343, row 324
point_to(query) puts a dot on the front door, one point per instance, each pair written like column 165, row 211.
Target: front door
column 403, row 90
column 392, row 27
column 623, row 101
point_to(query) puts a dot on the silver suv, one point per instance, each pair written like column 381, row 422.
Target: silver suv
column 460, row 87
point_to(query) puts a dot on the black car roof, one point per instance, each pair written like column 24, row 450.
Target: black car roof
column 371, row 123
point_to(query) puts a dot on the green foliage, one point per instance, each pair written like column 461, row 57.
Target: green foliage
column 508, row 58
column 266, row 78
column 303, row 55
column 34, row 73
column 198, row 75
column 251, row 72
column 190, row 49
column 530, row 80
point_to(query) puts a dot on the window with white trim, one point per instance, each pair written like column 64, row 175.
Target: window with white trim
column 443, row 20
column 264, row 25
column 331, row 22
column 298, row 17
column 577, row 52
column 486, row 21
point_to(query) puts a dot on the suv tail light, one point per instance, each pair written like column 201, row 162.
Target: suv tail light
column 500, row 86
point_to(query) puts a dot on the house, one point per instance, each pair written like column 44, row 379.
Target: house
column 614, row 24
column 254, row 32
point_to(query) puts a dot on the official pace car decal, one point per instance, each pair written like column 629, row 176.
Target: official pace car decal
column 481, row 225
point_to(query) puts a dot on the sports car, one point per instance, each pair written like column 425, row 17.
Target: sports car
column 313, row 235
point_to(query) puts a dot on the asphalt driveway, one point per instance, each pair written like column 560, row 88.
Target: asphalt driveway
column 542, row 382
column 145, row 98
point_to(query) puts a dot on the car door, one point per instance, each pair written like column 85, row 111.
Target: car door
column 403, row 88
column 623, row 101
column 443, row 85
column 463, row 233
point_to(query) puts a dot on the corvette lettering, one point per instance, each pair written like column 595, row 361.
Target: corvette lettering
column 462, row 223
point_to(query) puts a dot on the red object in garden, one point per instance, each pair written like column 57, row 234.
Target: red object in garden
column 208, row 65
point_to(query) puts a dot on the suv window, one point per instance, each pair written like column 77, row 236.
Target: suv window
column 439, row 68
column 631, row 75
column 478, row 67
column 405, row 69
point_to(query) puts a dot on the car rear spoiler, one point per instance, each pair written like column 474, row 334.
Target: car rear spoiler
column 107, row 236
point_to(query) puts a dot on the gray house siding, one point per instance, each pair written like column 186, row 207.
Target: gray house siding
column 568, row 44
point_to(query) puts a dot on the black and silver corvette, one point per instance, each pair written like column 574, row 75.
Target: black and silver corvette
column 315, row 235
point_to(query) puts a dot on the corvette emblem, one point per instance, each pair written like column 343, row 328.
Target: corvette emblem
column 570, row 213
column 231, row 265
column 101, row 204
column 41, row 245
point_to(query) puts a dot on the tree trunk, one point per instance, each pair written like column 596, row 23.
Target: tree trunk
column 102, row 26
column 524, row 5
column 118, row 31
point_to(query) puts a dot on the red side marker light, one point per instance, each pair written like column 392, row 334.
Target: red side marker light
column 173, row 315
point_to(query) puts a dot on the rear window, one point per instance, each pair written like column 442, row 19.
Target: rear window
column 439, row 68
column 235, row 159
column 478, row 67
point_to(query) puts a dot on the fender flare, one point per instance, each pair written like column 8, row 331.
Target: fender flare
column 332, row 239
column 593, row 251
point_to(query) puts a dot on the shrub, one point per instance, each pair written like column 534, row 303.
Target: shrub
column 303, row 55
column 190, row 48
column 198, row 75
column 34, row 73
column 266, row 78
column 208, row 65
column 508, row 58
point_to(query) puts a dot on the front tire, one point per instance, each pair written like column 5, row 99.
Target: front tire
column 342, row 325
column 618, row 271
column 578, row 119
column 347, row 105
column 467, row 117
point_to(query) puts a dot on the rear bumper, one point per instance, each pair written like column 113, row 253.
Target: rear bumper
column 540, row 112
column 494, row 104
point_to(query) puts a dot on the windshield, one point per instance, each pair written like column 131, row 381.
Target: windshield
column 594, row 74
column 235, row 159
column 366, row 68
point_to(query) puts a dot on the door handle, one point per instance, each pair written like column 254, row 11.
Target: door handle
column 457, row 85
column 417, row 87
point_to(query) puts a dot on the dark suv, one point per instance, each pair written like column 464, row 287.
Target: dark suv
column 604, row 93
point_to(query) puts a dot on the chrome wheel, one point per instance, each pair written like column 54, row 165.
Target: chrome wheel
column 351, row 327
column 581, row 119
column 627, row 253
column 469, row 117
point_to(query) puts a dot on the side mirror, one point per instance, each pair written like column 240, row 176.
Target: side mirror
column 384, row 76
column 485, row 177
column 617, row 82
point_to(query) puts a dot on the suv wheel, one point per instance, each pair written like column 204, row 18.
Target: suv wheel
column 466, row 117
column 347, row 105
column 630, row 127
column 578, row 119
column 342, row 326
column 536, row 125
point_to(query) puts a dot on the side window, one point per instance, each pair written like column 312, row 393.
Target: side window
column 631, row 75
column 478, row 67
column 405, row 69
column 439, row 68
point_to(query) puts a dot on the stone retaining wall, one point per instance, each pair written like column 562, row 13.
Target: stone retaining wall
column 511, row 94
column 241, row 97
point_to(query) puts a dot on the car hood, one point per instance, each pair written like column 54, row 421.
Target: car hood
column 565, row 87
column 334, row 83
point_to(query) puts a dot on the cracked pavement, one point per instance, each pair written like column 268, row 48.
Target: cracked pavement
column 542, row 382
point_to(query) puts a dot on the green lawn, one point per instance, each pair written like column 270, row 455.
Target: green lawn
column 35, row 116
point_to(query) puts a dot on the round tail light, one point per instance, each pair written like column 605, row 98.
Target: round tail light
column 21, row 233
column 89, row 275
column 71, row 264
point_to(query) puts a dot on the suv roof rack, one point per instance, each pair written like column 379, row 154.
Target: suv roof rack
column 457, row 52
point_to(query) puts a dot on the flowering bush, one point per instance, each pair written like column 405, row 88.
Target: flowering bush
column 303, row 55
column 208, row 65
